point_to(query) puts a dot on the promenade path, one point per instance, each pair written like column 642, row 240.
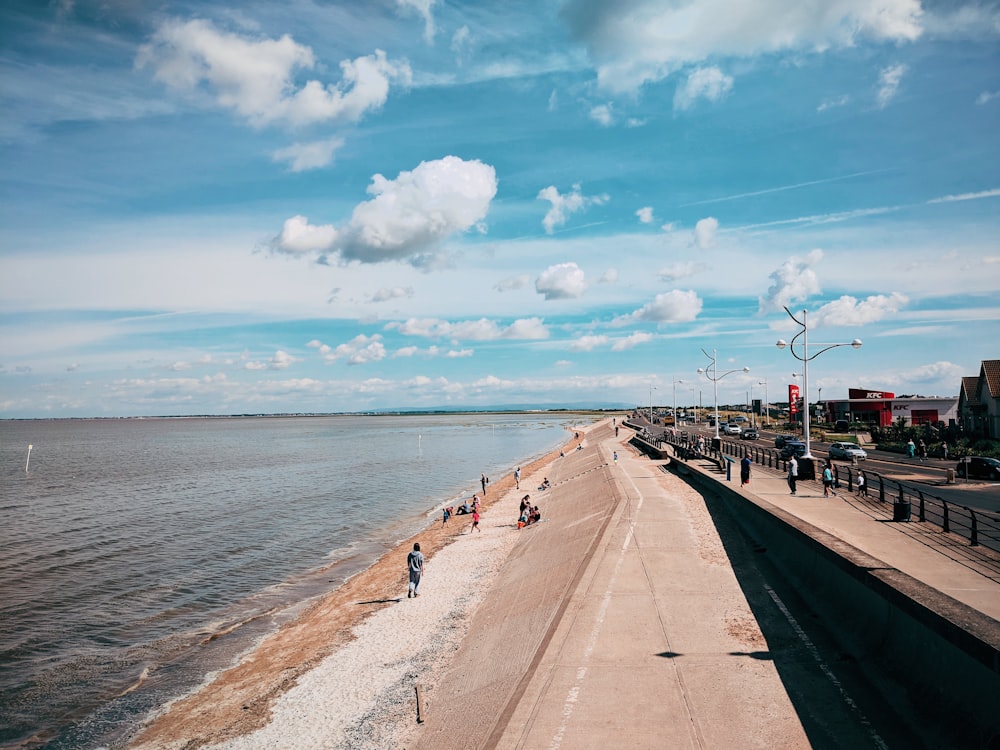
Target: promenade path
column 624, row 619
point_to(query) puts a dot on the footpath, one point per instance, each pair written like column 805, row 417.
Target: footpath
column 631, row 617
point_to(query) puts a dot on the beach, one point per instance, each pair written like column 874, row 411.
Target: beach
column 343, row 673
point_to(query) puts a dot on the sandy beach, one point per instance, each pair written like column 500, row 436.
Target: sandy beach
column 342, row 674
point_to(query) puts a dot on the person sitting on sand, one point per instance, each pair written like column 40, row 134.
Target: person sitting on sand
column 522, row 520
column 535, row 514
column 545, row 484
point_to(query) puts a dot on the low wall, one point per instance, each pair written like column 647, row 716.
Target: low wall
column 947, row 653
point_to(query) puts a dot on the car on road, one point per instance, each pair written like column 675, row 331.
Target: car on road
column 793, row 448
column 750, row 433
column 739, row 419
column 979, row 467
column 780, row 440
column 847, row 451
column 732, row 428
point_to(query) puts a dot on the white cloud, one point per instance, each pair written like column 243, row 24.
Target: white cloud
column 471, row 330
column 397, row 292
column 704, row 83
column 601, row 114
column 512, row 283
column 646, row 40
column 888, row 84
column 281, row 360
column 460, row 41
column 459, row 353
column 631, row 341
column 679, row 271
column 849, row 311
column 793, row 281
column 944, row 371
column 526, row 329
column 987, row 96
column 588, row 343
column 609, row 277
column 254, row 77
column 561, row 281
column 304, row 156
column 834, row 102
column 994, row 193
column 704, row 233
column 645, row 214
column 670, row 307
column 565, row 205
column 406, row 351
column 408, row 215
column 359, row 351
column 423, row 8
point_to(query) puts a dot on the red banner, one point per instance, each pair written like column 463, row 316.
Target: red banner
column 793, row 399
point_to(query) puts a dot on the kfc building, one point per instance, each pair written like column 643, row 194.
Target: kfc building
column 883, row 408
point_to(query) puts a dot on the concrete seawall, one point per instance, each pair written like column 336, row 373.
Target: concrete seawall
column 946, row 652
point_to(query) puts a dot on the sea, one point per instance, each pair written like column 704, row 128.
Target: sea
column 139, row 556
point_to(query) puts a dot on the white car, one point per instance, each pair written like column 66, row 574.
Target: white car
column 732, row 429
column 848, row 451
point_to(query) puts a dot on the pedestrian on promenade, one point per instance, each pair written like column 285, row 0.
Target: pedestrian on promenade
column 922, row 450
column 944, row 450
column 517, row 478
column 828, row 481
column 415, row 564
column 793, row 473
column 911, row 449
column 745, row 470
column 475, row 522
column 862, row 487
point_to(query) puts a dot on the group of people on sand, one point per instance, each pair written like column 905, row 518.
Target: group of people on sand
column 463, row 509
column 529, row 513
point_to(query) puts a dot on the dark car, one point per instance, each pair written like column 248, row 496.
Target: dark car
column 979, row 467
column 780, row 440
column 793, row 448
column 750, row 433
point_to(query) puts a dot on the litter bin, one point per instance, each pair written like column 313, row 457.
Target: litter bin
column 901, row 510
column 807, row 469
column 950, row 474
column 716, row 444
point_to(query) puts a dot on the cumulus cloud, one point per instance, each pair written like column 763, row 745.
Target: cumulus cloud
column 888, row 84
column 679, row 271
column 588, row 343
column 670, row 307
column 304, row 156
column 645, row 214
column 793, row 281
column 471, row 330
column 704, row 233
column 565, row 205
column 512, row 283
column 385, row 294
column 406, row 218
column 646, row 40
column 255, row 77
column 561, row 281
column 459, row 353
column 948, row 372
column 849, row 311
column 631, row 341
column 358, row 351
column 704, row 83
column 601, row 114
column 423, row 9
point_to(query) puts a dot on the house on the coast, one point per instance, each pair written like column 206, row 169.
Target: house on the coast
column 979, row 401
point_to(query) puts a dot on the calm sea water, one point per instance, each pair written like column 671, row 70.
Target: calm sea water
column 128, row 544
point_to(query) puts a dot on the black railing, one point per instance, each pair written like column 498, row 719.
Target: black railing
column 907, row 502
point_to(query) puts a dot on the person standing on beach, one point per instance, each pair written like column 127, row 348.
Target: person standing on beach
column 445, row 515
column 415, row 564
column 482, row 481
column 793, row 473
column 475, row 522
column 517, row 478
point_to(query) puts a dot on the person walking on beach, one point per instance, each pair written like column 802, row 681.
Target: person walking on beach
column 445, row 515
column 475, row 522
column 745, row 470
column 616, row 456
column 517, row 478
column 415, row 564
column 793, row 473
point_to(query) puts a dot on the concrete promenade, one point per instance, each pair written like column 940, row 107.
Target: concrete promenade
column 626, row 620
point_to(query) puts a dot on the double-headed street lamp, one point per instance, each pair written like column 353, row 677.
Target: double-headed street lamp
column 715, row 377
column 805, row 358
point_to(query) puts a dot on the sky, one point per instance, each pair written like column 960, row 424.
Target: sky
column 325, row 206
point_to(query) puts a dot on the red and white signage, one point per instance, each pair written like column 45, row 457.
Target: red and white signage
column 793, row 399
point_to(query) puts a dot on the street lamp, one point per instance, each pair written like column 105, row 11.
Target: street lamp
column 715, row 377
column 651, row 389
column 674, row 383
column 767, row 405
column 805, row 359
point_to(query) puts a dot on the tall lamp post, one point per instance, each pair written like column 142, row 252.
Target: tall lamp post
column 805, row 358
column 767, row 405
column 651, row 389
column 715, row 377
column 674, row 383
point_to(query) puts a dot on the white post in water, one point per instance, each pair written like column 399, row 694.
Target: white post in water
column 29, row 458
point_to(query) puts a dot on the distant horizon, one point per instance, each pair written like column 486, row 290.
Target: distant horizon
column 213, row 208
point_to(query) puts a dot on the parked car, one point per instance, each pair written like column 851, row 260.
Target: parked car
column 780, row 440
column 739, row 419
column 750, row 433
column 841, row 426
column 848, row 451
column 793, row 448
column 979, row 467
column 732, row 428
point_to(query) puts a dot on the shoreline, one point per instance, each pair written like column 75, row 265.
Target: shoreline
column 251, row 695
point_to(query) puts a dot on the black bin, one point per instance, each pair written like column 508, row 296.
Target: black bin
column 901, row 510
column 716, row 444
column 807, row 469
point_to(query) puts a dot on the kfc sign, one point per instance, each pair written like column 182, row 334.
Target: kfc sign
column 793, row 399
column 863, row 393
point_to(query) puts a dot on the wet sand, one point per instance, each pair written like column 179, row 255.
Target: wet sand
column 343, row 673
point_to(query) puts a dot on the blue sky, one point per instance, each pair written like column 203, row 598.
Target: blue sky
column 341, row 206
